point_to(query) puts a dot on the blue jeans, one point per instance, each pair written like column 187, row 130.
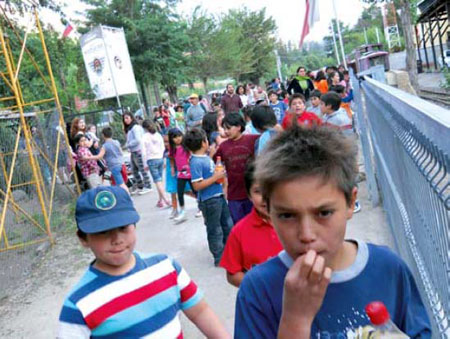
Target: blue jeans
column 116, row 172
column 218, row 224
column 156, row 167
column 239, row 209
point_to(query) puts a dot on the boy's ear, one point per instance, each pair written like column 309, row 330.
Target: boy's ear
column 84, row 242
column 352, row 203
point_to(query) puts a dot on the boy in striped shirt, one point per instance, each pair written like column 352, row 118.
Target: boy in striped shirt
column 125, row 294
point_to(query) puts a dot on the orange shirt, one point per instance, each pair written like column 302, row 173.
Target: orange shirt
column 322, row 86
column 346, row 106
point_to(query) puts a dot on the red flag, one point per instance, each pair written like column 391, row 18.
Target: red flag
column 67, row 30
column 311, row 16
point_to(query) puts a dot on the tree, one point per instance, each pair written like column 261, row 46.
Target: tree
column 156, row 37
column 258, row 32
column 407, row 8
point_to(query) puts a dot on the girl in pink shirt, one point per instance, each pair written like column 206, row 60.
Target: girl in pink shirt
column 179, row 159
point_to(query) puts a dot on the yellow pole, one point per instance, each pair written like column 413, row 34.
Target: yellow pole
column 27, row 142
column 58, row 105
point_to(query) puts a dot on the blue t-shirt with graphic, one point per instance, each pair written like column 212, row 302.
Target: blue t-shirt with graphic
column 202, row 167
column 376, row 275
column 279, row 108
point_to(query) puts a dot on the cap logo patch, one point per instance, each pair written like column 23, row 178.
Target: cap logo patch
column 105, row 200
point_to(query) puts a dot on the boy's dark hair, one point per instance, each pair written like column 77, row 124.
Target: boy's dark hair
column 249, row 176
column 233, row 119
column 296, row 96
column 81, row 234
column 263, row 118
column 339, row 89
column 149, row 126
column 333, row 99
column 194, row 138
column 271, row 92
column 247, row 111
column 315, row 93
column 107, row 132
column 300, row 152
column 77, row 138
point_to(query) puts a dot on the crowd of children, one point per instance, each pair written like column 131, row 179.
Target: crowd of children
column 275, row 184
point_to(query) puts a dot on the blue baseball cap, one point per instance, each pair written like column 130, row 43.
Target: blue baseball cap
column 104, row 208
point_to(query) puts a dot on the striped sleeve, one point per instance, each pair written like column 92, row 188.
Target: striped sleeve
column 190, row 294
column 71, row 323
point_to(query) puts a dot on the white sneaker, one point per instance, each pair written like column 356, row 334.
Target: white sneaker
column 357, row 207
column 182, row 217
column 173, row 214
column 145, row 190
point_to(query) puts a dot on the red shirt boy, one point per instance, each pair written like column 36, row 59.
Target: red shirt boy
column 297, row 111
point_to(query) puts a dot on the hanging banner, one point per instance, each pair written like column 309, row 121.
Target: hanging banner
column 107, row 61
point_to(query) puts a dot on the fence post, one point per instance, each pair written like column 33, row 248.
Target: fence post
column 364, row 134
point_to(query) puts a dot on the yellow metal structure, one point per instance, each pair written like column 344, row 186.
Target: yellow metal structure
column 14, row 109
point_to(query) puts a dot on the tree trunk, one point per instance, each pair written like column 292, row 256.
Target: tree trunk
column 205, row 84
column 191, row 85
column 144, row 98
column 157, row 95
column 411, row 63
column 172, row 90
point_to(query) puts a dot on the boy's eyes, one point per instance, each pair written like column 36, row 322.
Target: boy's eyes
column 325, row 213
column 321, row 214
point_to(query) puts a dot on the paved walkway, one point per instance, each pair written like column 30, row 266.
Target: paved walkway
column 36, row 315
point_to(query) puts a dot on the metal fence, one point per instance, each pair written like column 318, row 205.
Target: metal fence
column 406, row 144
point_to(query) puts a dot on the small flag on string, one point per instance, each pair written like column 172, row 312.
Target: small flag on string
column 311, row 17
column 67, row 30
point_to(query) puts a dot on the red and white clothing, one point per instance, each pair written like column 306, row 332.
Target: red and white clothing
column 144, row 302
column 252, row 241
column 181, row 158
column 304, row 119
column 87, row 167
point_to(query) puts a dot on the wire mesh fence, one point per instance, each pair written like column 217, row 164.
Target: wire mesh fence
column 408, row 144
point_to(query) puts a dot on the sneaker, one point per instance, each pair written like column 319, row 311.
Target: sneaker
column 173, row 214
column 198, row 214
column 357, row 207
column 145, row 190
column 133, row 191
column 182, row 217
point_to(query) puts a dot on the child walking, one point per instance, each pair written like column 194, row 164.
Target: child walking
column 319, row 285
column 209, row 193
column 235, row 152
column 179, row 157
column 127, row 294
column 153, row 156
column 114, row 157
column 171, row 179
column 298, row 114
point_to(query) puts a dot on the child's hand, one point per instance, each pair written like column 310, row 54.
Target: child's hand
column 304, row 288
column 172, row 172
column 219, row 175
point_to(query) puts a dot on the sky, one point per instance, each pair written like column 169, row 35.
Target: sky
column 288, row 14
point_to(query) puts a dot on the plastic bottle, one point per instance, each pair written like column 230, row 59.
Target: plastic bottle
column 219, row 167
column 384, row 327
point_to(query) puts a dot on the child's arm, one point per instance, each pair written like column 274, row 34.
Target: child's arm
column 304, row 289
column 94, row 157
column 202, row 184
column 206, row 321
column 236, row 278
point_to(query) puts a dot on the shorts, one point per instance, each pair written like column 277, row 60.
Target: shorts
column 156, row 167
column 116, row 172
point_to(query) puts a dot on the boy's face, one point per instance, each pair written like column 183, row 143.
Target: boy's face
column 325, row 109
column 232, row 132
column 258, row 201
column 113, row 249
column 273, row 98
column 310, row 214
column 297, row 106
column 315, row 101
